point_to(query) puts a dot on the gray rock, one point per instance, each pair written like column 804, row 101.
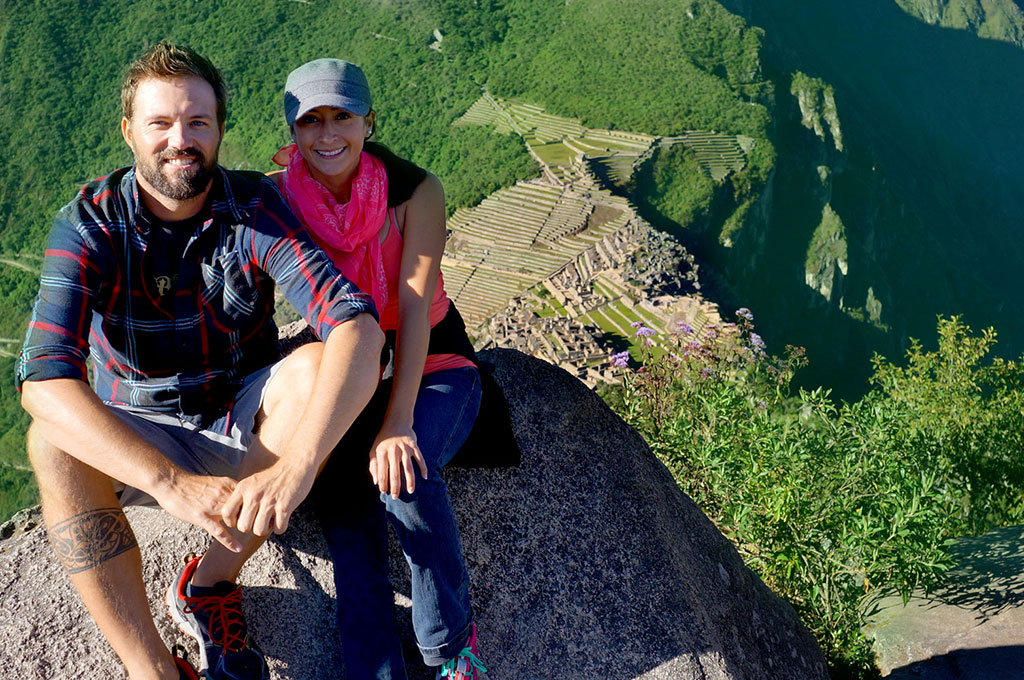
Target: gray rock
column 969, row 628
column 586, row 561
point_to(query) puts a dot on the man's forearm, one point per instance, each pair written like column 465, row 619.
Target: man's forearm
column 71, row 417
column 348, row 375
column 347, row 378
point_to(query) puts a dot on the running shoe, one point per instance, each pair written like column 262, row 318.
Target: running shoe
column 213, row 617
column 465, row 666
column 185, row 670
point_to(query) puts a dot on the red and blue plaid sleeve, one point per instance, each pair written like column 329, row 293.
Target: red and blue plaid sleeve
column 57, row 342
column 303, row 272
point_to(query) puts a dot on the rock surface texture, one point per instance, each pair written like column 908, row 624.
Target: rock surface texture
column 970, row 628
column 586, row 561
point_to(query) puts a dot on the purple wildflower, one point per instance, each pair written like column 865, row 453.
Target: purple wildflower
column 643, row 331
column 745, row 313
column 757, row 342
column 711, row 333
column 636, row 324
column 684, row 327
column 620, row 360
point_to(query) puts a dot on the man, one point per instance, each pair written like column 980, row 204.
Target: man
column 165, row 273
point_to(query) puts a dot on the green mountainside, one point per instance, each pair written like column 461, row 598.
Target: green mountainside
column 911, row 211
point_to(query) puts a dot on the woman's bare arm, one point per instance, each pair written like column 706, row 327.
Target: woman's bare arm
column 395, row 449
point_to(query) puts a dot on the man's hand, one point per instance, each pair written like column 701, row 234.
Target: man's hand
column 264, row 501
column 198, row 500
column 391, row 460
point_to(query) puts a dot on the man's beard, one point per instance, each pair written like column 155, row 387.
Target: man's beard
column 182, row 184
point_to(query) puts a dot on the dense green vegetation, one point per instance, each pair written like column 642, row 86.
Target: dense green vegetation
column 62, row 60
column 658, row 189
column 832, row 505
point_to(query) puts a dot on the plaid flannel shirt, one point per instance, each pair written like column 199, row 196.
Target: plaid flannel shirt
column 187, row 351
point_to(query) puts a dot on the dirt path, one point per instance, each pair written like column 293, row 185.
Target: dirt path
column 18, row 265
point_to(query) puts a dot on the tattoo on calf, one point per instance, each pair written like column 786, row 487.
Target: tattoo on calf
column 90, row 538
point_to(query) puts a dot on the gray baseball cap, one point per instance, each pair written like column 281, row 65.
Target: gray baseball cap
column 326, row 82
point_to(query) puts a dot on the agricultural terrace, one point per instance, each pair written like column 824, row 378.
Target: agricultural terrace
column 536, row 266
column 562, row 145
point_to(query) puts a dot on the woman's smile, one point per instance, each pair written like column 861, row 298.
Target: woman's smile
column 330, row 140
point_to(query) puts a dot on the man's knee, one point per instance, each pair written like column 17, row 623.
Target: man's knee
column 42, row 455
column 304, row 361
column 54, row 466
column 294, row 379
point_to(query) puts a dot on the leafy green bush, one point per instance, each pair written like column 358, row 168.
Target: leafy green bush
column 674, row 185
column 834, row 505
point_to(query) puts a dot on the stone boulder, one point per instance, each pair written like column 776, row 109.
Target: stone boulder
column 586, row 561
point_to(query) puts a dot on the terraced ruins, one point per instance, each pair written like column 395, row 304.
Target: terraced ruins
column 561, row 266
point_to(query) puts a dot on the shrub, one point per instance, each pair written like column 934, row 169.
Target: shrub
column 834, row 505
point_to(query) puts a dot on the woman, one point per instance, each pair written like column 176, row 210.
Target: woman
column 382, row 221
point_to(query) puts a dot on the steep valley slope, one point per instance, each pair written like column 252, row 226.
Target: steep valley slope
column 926, row 187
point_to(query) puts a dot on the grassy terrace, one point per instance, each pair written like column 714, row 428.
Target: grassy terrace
column 607, row 289
column 597, row 318
column 718, row 154
column 616, row 318
column 507, row 233
column 523, row 234
column 558, row 140
column 613, row 312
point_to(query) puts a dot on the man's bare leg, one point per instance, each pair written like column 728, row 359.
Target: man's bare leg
column 94, row 542
column 286, row 397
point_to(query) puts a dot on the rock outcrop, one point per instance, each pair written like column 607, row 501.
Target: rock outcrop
column 586, row 562
column 970, row 627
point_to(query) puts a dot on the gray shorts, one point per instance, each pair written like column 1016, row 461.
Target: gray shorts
column 217, row 450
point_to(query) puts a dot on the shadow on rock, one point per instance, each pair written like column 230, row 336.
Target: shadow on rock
column 992, row 663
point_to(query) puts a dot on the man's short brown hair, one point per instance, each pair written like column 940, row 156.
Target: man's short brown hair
column 167, row 61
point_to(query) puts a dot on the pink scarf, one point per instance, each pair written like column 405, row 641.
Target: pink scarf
column 346, row 232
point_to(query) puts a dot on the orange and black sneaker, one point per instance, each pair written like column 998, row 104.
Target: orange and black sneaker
column 213, row 616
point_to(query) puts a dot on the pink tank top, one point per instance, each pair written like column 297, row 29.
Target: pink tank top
column 391, row 254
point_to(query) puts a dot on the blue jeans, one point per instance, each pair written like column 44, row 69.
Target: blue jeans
column 354, row 515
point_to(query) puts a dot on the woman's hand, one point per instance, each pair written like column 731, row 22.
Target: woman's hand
column 391, row 460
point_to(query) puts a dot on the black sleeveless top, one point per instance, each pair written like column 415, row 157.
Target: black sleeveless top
column 403, row 176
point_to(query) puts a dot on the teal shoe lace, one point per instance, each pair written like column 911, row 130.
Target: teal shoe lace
column 472, row 664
